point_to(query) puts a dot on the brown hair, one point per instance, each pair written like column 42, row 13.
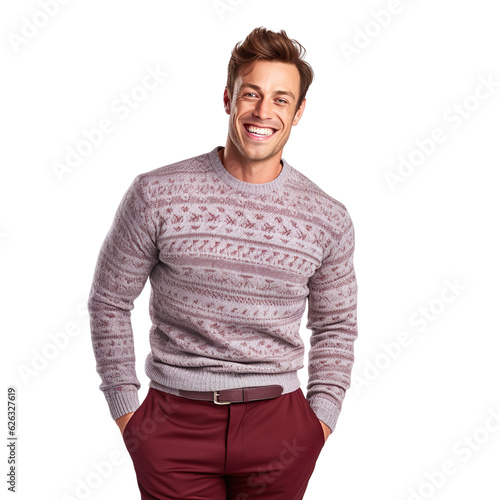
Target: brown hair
column 266, row 45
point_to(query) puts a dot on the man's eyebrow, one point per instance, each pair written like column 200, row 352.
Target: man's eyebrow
column 280, row 92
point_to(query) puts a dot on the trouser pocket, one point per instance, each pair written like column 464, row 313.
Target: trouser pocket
column 132, row 431
column 316, row 422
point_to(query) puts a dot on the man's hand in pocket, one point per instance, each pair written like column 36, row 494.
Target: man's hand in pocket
column 326, row 430
column 122, row 421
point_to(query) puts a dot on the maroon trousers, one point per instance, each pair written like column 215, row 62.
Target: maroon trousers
column 196, row 450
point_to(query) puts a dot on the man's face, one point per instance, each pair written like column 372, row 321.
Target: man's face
column 264, row 97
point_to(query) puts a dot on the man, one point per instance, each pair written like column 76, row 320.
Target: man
column 235, row 242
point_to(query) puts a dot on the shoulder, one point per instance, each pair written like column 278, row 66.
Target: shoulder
column 178, row 176
column 187, row 166
column 310, row 198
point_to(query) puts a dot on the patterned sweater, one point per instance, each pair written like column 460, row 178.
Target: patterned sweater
column 231, row 266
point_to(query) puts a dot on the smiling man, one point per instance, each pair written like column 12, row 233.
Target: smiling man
column 235, row 243
column 263, row 104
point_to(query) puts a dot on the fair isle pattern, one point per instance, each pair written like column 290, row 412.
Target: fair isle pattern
column 232, row 266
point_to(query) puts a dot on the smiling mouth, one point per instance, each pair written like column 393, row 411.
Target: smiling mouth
column 259, row 131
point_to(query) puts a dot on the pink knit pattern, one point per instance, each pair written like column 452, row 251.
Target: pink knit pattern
column 232, row 266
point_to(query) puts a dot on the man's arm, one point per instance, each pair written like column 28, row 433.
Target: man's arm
column 332, row 306
column 125, row 261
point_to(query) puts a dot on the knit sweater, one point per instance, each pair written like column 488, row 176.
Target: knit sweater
column 231, row 265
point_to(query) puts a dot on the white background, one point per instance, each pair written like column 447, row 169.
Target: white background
column 428, row 244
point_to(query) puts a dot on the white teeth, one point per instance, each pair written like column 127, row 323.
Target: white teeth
column 260, row 131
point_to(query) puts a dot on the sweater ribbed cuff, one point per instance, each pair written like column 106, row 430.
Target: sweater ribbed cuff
column 325, row 410
column 122, row 402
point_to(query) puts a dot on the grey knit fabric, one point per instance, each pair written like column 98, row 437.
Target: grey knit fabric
column 232, row 266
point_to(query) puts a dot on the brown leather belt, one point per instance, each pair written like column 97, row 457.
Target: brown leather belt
column 240, row 395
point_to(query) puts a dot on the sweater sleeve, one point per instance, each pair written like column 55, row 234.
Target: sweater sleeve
column 124, row 263
column 332, row 304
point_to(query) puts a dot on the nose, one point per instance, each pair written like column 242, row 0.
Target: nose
column 262, row 109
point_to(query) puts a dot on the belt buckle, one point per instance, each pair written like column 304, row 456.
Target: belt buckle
column 216, row 399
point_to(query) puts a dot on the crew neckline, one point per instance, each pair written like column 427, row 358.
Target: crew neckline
column 249, row 187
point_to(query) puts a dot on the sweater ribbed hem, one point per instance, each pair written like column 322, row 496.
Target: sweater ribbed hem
column 122, row 402
column 179, row 378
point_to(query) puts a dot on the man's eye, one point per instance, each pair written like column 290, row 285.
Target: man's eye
column 283, row 101
column 249, row 94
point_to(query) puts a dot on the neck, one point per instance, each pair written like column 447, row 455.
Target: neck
column 255, row 172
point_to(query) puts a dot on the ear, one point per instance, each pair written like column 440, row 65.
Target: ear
column 227, row 101
column 299, row 112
